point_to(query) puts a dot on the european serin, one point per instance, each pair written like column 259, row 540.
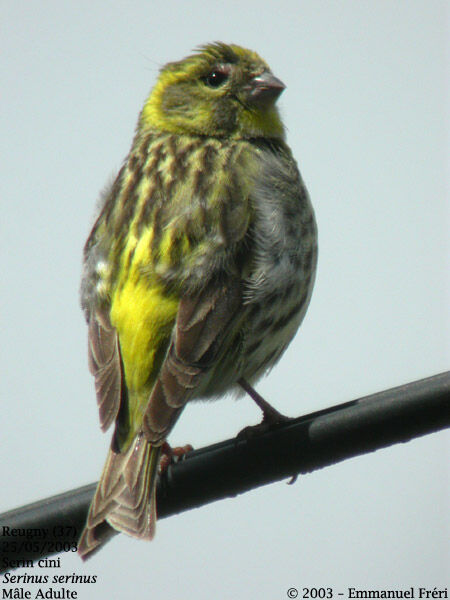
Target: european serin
column 198, row 270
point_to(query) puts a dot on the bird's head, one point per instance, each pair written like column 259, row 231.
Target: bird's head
column 222, row 91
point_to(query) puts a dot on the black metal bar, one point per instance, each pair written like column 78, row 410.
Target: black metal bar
column 246, row 462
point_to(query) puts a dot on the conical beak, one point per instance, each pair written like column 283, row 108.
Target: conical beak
column 264, row 89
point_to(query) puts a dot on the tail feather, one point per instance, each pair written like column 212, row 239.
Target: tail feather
column 125, row 497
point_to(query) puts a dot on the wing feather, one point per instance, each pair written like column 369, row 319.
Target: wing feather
column 106, row 366
column 203, row 323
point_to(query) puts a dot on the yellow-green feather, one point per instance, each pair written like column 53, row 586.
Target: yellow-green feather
column 150, row 263
column 195, row 108
column 143, row 314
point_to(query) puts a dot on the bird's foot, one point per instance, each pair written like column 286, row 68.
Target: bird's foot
column 270, row 415
column 170, row 455
column 265, row 425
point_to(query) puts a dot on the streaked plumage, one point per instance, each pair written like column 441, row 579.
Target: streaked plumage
column 198, row 270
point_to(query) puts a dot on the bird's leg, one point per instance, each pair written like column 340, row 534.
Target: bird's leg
column 169, row 454
column 270, row 415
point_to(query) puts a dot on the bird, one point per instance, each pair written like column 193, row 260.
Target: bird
column 197, row 272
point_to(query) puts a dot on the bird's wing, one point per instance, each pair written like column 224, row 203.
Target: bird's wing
column 106, row 366
column 125, row 497
column 203, row 323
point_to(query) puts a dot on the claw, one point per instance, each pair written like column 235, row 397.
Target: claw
column 169, row 455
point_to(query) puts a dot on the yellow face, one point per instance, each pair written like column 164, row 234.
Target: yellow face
column 223, row 91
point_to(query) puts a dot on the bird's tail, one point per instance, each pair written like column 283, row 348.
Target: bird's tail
column 125, row 497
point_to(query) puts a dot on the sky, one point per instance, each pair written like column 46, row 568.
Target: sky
column 367, row 114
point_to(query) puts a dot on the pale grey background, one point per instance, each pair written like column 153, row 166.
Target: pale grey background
column 367, row 117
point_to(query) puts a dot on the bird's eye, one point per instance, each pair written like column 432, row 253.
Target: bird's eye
column 216, row 78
